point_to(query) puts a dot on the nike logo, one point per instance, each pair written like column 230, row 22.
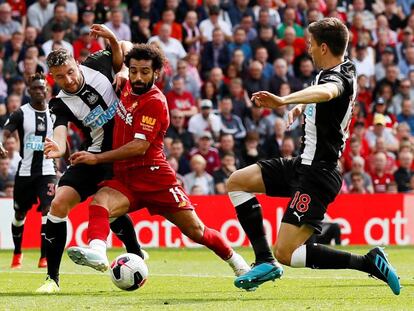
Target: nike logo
column 153, row 168
column 49, row 239
column 298, row 216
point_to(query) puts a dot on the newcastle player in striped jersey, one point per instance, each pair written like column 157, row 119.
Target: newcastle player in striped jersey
column 36, row 176
column 312, row 180
column 87, row 99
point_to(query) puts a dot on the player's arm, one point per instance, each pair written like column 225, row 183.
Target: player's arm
column 134, row 148
column 313, row 94
column 56, row 147
column 14, row 121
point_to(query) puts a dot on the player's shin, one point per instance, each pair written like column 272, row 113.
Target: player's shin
column 249, row 213
column 17, row 228
column 124, row 230
column 214, row 241
column 98, row 228
column 42, row 237
column 56, row 230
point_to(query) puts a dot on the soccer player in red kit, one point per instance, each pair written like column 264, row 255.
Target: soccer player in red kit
column 142, row 176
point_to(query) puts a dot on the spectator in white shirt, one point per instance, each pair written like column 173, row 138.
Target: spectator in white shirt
column 39, row 14
column 121, row 30
column 205, row 121
column 208, row 25
column 7, row 25
column 199, row 177
column 58, row 32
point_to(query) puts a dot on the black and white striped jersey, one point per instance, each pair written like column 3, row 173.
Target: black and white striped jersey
column 326, row 125
column 33, row 126
column 93, row 107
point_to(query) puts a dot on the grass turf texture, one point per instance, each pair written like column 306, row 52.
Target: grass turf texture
column 194, row 279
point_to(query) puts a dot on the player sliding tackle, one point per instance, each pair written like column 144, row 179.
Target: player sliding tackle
column 142, row 176
column 312, row 180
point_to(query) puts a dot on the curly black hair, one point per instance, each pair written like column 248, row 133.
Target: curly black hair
column 36, row 76
column 58, row 58
column 145, row 51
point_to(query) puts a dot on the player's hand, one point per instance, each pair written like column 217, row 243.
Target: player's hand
column 120, row 79
column 100, row 30
column 3, row 152
column 293, row 114
column 83, row 157
column 51, row 149
column 267, row 99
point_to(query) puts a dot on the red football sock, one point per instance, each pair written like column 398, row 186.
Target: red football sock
column 214, row 241
column 98, row 223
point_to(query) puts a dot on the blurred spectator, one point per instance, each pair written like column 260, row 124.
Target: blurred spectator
column 13, row 154
column 379, row 130
column 5, row 176
column 392, row 187
column 267, row 6
column 190, row 84
column 121, row 30
column 272, row 145
column 281, row 75
column 221, row 175
column 71, row 8
column 8, row 26
column 174, row 165
column 177, row 151
column 87, row 19
column 247, row 23
column 387, row 59
column 227, row 144
column 290, row 39
column 13, row 54
column 238, row 10
column 39, row 13
column 231, row 123
column 216, row 53
column 209, row 153
column 19, row 11
column 358, row 7
column 140, row 30
column 239, row 62
column 191, row 5
column 407, row 40
column 251, row 151
column 405, row 92
column 262, row 56
column 176, row 130
column 407, row 114
column 117, row 4
column 404, row 173
column 3, row 84
column 266, row 39
column 147, row 7
column 256, row 123
column 168, row 17
column 306, row 71
column 380, row 178
column 192, row 37
column 18, row 87
column 407, row 64
column 393, row 14
column 255, row 81
column 403, row 133
column 85, row 42
column 172, row 48
column 391, row 77
column 354, row 150
column 358, row 164
column 59, row 17
column 209, row 91
column 240, row 42
column 199, row 177
column 179, row 98
column 287, row 149
column 390, row 166
column 364, row 62
column 289, row 20
column 9, row 189
column 380, row 107
column 58, row 33
column 239, row 97
column 217, row 77
column 357, row 183
column 213, row 21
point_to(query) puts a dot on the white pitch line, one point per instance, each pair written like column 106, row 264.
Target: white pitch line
column 188, row 275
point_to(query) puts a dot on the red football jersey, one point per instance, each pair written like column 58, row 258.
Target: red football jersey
column 380, row 183
column 145, row 117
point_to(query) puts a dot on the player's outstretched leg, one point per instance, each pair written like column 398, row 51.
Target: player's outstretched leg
column 94, row 256
column 191, row 226
column 17, row 228
column 42, row 260
column 124, row 229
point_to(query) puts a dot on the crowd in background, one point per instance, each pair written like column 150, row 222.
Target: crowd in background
column 218, row 53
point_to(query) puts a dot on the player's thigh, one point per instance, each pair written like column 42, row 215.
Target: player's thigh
column 247, row 179
column 187, row 221
column 24, row 196
column 45, row 190
column 116, row 202
column 289, row 238
column 65, row 199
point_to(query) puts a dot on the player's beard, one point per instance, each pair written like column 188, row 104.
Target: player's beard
column 141, row 88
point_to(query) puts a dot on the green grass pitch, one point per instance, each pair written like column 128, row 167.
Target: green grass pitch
column 194, row 279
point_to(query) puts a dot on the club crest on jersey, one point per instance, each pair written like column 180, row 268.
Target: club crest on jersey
column 41, row 127
column 92, row 98
column 133, row 106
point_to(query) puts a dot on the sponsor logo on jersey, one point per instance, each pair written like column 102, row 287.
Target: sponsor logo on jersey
column 34, row 142
column 98, row 117
column 124, row 114
column 147, row 123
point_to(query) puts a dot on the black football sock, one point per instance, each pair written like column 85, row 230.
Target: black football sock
column 250, row 217
column 17, row 232
column 43, row 241
column 55, row 245
column 124, row 230
column 323, row 257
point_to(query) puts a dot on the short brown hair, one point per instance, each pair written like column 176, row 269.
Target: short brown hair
column 332, row 32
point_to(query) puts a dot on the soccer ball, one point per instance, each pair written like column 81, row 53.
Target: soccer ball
column 129, row 272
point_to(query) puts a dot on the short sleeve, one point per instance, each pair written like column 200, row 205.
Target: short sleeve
column 58, row 113
column 335, row 78
column 148, row 122
column 101, row 61
column 14, row 121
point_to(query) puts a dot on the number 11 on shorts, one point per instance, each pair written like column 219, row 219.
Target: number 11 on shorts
column 176, row 192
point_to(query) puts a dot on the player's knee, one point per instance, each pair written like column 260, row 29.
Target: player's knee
column 234, row 182
column 282, row 255
column 60, row 208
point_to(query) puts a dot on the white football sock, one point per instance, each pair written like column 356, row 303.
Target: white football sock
column 298, row 259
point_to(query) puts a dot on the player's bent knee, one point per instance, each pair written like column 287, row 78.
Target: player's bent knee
column 282, row 255
column 235, row 181
column 59, row 208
